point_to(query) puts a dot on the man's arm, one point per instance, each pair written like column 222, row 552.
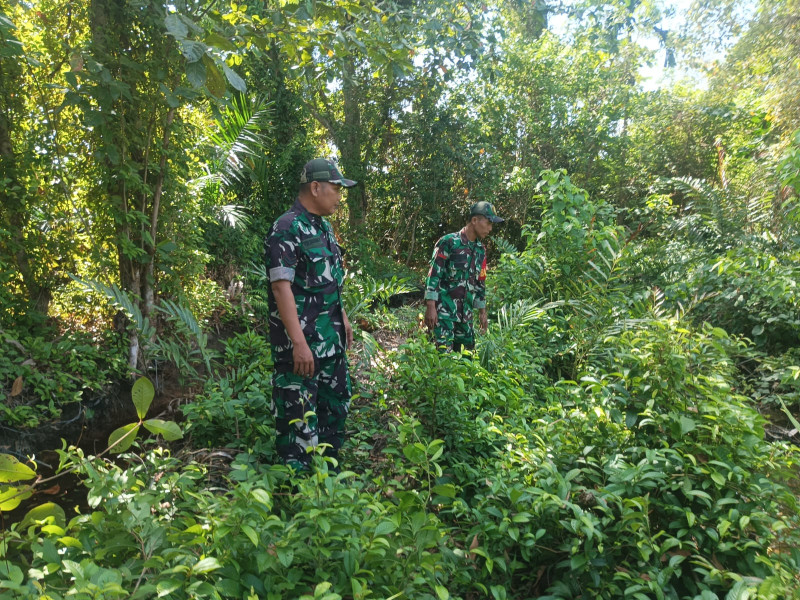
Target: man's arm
column 287, row 309
column 431, row 316
column 438, row 264
column 480, row 297
column 348, row 330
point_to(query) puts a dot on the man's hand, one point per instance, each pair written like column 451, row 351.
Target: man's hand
column 348, row 331
column 431, row 316
column 484, row 320
column 303, row 360
column 301, row 353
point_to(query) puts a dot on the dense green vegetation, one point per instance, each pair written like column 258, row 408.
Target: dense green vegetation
column 627, row 427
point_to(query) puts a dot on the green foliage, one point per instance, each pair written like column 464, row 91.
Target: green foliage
column 154, row 529
column 366, row 299
column 513, row 342
column 597, row 445
column 234, row 410
column 749, row 290
column 13, row 471
column 650, row 475
column 577, row 239
column 142, row 394
column 183, row 343
column 41, row 378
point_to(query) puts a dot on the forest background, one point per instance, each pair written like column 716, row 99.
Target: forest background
column 628, row 425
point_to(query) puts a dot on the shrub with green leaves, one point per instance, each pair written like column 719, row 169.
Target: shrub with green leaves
column 155, row 530
column 234, row 410
column 649, row 478
column 576, row 237
column 41, row 377
column 749, row 291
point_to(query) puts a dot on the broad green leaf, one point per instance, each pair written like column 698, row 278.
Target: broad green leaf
column 206, row 565
column 70, row 542
column 442, row 593
column 739, row 591
column 48, row 512
column 262, row 496
column 196, row 74
column 218, row 41
column 167, row 586
column 215, row 81
column 169, row 430
column 385, row 527
column 11, row 497
column 234, row 79
column 415, row 453
column 13, row 470
column 321, row 588
column 446, row 489
column 175, row 26
column 142, row 395
column 193, row 51
column 687, row 425
column 251, row 534
column 122, row 438
column 718, row 478
column 285, row 555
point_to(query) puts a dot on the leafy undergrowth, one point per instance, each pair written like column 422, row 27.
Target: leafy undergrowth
column 601, row 443
column 649, row 477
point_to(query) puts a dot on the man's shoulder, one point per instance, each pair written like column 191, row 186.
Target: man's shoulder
column 449, row 239
column 287, row 224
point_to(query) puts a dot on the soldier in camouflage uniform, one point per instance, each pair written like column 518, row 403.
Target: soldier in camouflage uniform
column 456, row 281
column 308, row 327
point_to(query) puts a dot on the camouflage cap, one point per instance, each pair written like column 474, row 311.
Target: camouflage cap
column 485, row 209
column 322, row 169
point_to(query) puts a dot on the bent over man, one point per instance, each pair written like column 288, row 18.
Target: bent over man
column 456, row 281
column 308, row 327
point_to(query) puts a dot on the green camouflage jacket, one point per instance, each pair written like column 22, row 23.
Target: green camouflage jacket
column 301, row 248
column 457, row 277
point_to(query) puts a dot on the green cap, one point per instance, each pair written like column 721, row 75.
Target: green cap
column 485, row 209
column 322, row 169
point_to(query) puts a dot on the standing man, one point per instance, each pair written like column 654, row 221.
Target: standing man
column 308, row 327
column 457, row 281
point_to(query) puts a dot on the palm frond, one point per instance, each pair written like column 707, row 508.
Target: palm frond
column 233, row 215
column 517, row 314
column 714, row 214
column 370, row 348
column 180, row 314
column 505, row 247
column 362, row 291
column 259, row 270
column 118, row 298
column 184, row 319
column 240, row 138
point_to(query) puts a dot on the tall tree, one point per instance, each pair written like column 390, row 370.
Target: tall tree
column 354, row 52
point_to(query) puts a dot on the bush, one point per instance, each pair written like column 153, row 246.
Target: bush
column 41, row 377
column 747, row 291
column 234, row 410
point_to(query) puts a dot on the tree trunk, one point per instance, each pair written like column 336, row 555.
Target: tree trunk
column 148, row 283
column 350, row 146
column 108, row 38
column 11, row 194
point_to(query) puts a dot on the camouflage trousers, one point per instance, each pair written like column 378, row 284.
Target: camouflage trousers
column 326, row 396
column 453, row 334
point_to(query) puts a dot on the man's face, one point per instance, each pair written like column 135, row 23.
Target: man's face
column 327, row 197
column 483, row 226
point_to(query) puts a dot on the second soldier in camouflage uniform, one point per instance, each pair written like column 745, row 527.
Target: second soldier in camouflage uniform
column 456, row 281
column 308, row 327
